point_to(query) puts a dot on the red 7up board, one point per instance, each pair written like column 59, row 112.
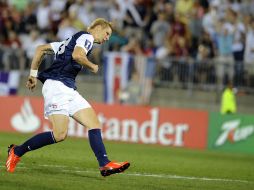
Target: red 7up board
column 231, row 132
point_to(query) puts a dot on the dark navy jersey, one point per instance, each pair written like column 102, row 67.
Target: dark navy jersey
column 64, row 68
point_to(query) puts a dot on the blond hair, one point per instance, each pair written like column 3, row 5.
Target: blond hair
column 102, row 22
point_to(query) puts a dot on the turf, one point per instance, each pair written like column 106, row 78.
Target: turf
column 72, row 165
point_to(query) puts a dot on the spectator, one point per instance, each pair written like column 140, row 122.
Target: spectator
column 211, row 18
column 149, row 71
column 224, row 63
column 66, row 28
column 56, row 8
column 195, row 27
column 163, row 58
column 29, row 43
column 13, row 57
column 44, row 16
column 19, row 4
column 159, row 29
column 179, row 37
column 29, row 19
column 247, row 7
column 205, row 68
column 100, row 8
column 143, row 65
column 75, row 21
column 83, row 10
column 116, row 14
column 237, row 28
column 179, row 44
column 249, row 52
column 134, row 19
column 184, row 9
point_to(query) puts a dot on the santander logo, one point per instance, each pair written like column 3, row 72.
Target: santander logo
column 149, row 131
column 25, row 121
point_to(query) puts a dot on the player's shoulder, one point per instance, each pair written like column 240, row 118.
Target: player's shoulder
column 83, row 36
column 82, row 33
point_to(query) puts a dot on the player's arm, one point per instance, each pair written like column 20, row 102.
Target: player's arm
column 79, row 55
column 40, row 52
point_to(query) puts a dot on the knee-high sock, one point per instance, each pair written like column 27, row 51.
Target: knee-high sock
column 37, row 141
column 98, row 147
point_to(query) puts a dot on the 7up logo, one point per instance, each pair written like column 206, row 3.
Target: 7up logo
column 231, row 131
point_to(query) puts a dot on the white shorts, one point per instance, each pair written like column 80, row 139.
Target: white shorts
column 60, row 99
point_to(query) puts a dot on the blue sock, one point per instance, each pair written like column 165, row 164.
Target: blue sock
column 35, row 142
column 97, row 145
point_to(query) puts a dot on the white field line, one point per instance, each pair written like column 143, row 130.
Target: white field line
column 77, row 170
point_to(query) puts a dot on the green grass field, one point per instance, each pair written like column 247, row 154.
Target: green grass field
column 72, row 165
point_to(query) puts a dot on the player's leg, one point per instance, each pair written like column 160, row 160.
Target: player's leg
column 87, row 117
column 60, row 124
column 59, row 133
column 60, row 127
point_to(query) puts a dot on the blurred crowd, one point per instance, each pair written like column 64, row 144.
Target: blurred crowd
column 171, row 31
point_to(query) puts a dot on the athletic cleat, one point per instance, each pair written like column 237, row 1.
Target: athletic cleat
column 12, row 159
column 113, row 168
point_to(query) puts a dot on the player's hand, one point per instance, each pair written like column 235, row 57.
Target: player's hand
column 95, row 68
column 31, row 82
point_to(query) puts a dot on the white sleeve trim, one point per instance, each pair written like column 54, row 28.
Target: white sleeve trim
column 85, row 41
column 55, row 46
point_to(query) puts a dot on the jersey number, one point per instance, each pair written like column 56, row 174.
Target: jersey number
column 88, row 45
column 62, row 47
